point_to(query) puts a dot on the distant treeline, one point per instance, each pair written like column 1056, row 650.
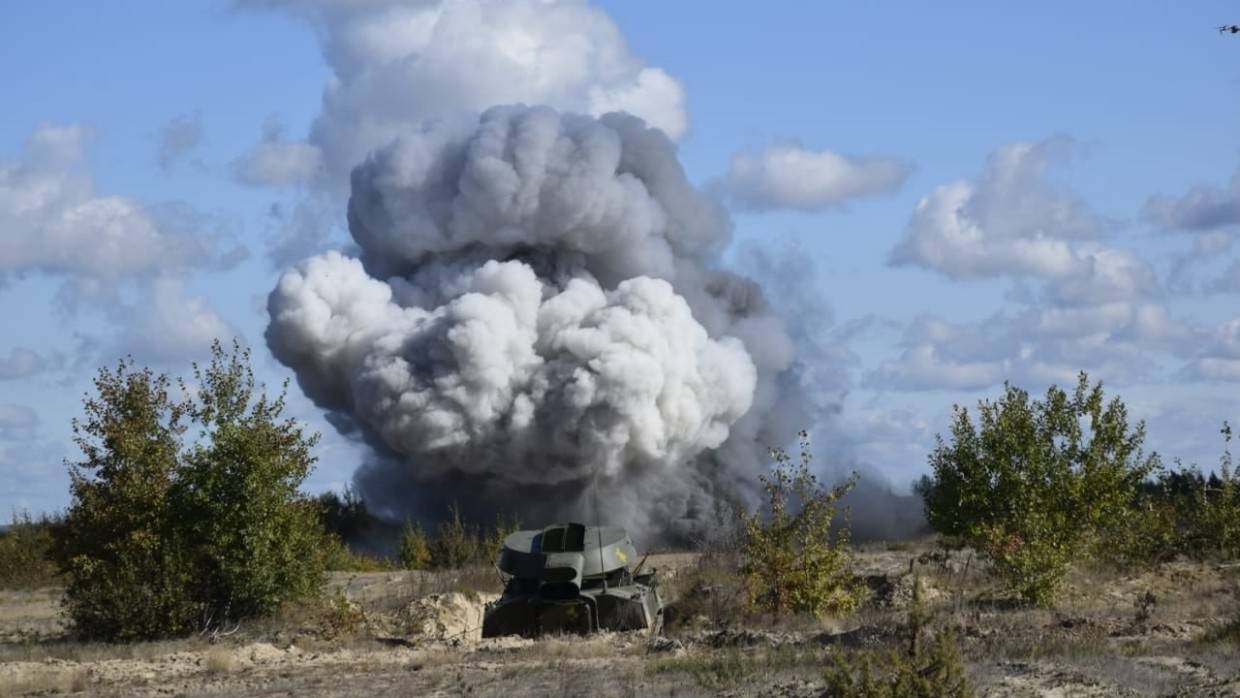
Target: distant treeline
column 1187, row 513
column 368, row 542
column 27, row 551
column 31, row 551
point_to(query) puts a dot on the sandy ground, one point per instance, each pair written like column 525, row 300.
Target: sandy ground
column 411, row 634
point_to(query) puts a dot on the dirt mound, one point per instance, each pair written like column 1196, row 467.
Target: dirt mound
column 450, row 617
column 260, row 653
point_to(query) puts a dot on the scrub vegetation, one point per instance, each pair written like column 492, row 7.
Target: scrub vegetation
column 186, row 512
column 1063, row 556
column 1036, row 486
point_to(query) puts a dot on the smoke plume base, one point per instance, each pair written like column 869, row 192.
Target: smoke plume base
column 537, row 309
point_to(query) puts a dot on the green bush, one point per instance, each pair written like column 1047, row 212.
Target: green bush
column 415, row 550
column 27, row 553
column 1182, row 512
column 1149, row 533
column 164, row 537
column 128, row 575
column 1214, row 521
column 456, row 543
column 256, row 540
column 790, row 559
column 938, row 672
column 339, row 557
column 1035, row 482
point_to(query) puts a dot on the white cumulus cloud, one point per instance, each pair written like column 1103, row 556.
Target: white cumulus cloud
column 1119, row 341
column 276, row 161
column 126, row 259
column 792, row 177
column 56, row 224
column 1007, row 220
column 1219, row 358
column 397, row 65
column 1010, row 221
column 1201, row 208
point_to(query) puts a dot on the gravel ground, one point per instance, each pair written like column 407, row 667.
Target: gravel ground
column 415, row 635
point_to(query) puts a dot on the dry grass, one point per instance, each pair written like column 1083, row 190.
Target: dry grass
column 734, row 667
column 469, row 580
column 220, row 660
column 329, row 618
column 74, row 651
column 709, row 593
column 572, row 648
column 43, row 680
column 427, row 659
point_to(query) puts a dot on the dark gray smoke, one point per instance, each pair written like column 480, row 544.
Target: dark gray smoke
column 536, row 313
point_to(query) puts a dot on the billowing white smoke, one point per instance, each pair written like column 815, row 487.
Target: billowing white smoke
column 537, row 308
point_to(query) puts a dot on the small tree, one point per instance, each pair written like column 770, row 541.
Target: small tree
column 256, row 541
column 790, row 559
column 456, row 543
column 1207, row 509
column 1181, row 511
column 1218, row 510
column 934, row 672
column 346, row 516
column 128, row 575
column 1033, row 483
column 490, row 548
column 161, row 538
column 415, row 551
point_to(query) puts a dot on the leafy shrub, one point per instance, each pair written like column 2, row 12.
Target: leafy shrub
column 164, row 538
column 1215, row 527
column 1149, row 533
column 415, row 551
column 339, row 557
column 27, row 554
column 790, row 559
column 1034, row 483
column 1181, row 512
column 456, row 543
column 937, row 672
column 128, row 575
column 255, row 540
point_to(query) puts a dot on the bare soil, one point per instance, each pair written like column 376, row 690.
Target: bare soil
column 1144, row 633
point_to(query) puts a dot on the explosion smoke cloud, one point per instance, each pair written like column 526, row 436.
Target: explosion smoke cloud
column 537, row 305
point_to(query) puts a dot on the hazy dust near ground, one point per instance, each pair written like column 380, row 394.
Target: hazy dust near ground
column 406, row 633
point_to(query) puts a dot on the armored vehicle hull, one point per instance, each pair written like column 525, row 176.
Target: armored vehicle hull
column 569, row 578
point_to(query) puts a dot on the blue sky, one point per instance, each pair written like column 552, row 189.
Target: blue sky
column 1092, row 148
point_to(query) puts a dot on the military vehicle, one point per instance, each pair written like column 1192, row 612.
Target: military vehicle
column 572, row 578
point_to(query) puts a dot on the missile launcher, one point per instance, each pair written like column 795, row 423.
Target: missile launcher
column 572, row 578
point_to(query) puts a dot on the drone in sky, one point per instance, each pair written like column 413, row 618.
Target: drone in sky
column 1229, row 28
